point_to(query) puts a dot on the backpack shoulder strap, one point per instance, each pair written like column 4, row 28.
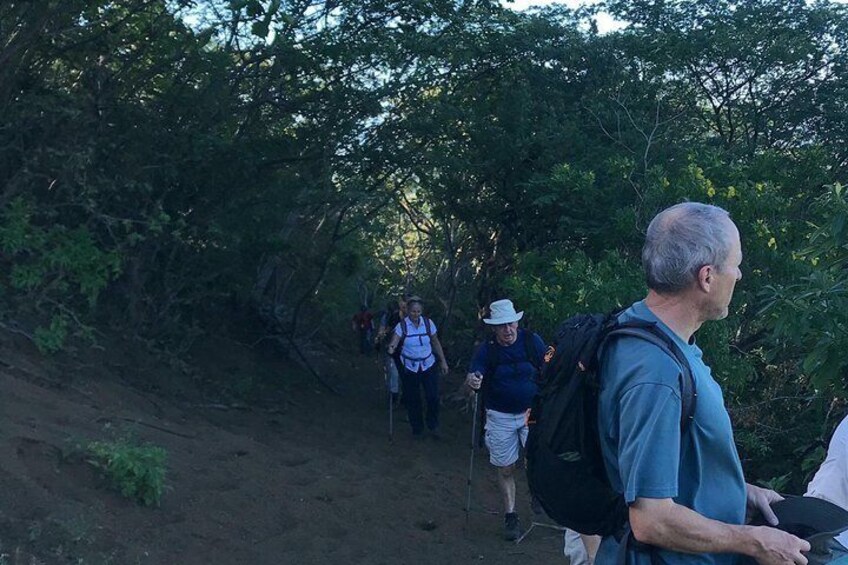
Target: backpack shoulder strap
column 492, row 355
column 402, row 331
column 649, row 332
column 427, row 327
column 530, row 350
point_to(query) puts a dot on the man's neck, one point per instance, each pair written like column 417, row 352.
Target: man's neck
column 676, row 312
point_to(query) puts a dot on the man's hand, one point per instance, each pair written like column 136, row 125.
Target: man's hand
column 776, row 547
column 760, row 500
column 443, row 365
column 474, row 380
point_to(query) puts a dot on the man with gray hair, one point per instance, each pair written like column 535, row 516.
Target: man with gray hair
column 683, row 484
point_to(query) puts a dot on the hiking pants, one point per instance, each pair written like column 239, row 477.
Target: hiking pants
column 365, row 341
column 412, row 383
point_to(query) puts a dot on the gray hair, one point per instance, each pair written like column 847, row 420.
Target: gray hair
column 682, row 239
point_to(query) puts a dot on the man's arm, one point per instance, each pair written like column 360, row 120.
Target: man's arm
column 477, row 369
column 663, row 523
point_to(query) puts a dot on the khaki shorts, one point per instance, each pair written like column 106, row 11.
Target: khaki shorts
column 505, row 434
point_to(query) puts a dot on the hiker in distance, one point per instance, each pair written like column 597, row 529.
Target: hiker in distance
column 362, row 324
column 419, row 346
column 391, row 317
column 506, row 367
column 683, row 485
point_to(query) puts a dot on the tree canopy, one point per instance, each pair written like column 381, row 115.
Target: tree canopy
column 164, row 162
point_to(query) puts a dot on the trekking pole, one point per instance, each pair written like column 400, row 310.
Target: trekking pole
column 387, row 378
column 391, row 407
column 471, row 462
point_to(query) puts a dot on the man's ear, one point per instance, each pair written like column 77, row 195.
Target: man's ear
column 705, row 277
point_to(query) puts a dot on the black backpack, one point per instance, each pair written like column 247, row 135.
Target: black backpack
column 565, row 467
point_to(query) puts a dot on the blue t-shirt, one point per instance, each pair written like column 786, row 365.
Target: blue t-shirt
column 512, row 383
column 645, row 455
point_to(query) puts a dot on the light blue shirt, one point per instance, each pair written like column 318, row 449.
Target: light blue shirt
column 417, row 353
column 646, row 455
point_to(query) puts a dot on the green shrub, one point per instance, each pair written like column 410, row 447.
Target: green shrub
column 52, row 339
column 53, row 268
column 137, row 471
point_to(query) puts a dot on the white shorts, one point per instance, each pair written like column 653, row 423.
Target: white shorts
column 505, row 433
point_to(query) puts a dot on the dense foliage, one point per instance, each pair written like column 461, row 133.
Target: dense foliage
column 165, row 165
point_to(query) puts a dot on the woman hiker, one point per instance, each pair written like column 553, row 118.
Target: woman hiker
column 419, row 346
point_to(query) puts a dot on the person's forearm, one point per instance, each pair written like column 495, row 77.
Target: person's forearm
column 437, row 348
column 675, row 527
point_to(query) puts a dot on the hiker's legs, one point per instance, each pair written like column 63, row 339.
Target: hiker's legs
column 506, row 483
column 430, row 380
column 591, row 543
column 391, row 374
column 503, row 437
column 399, row 368
column 412, row 400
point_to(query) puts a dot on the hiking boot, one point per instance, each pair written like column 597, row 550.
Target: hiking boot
column 435, row 435
column 512, row 531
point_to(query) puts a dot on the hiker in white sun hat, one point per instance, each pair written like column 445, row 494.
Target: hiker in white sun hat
column 504, row 370
column 502, row 312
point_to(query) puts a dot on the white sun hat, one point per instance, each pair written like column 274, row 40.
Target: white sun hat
column 502, row 312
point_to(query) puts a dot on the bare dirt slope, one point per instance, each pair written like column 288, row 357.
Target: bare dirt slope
column 300, row 476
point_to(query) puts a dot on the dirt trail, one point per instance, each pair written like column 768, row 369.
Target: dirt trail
column 303, row 477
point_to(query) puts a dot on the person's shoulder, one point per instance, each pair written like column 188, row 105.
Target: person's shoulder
column 484, row 348
column 840, row 434
column 536, row 338
column 639, row 361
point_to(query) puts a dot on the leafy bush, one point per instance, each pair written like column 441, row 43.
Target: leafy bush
column 553, row 287
column 52, row 268
column 137, row 471
column 52, row 338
